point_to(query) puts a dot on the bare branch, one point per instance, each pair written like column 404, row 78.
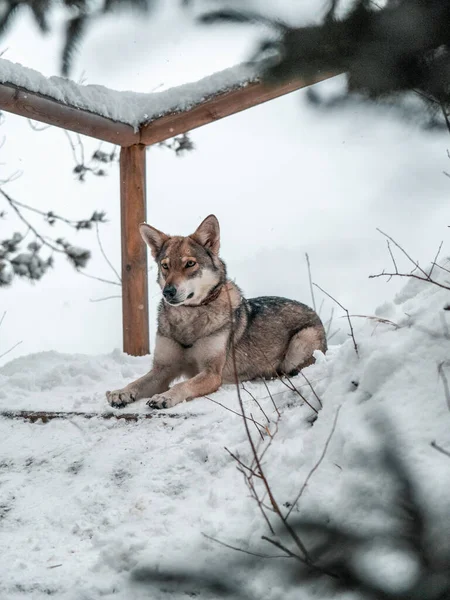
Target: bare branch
column 312, row 388
column 443, row 376
column 310, row 281
column 416, row 264
column 435, row 260
column 256, row 401
column 317, row 465
column 102, row 299
column 256, row 458
column 10, row 350
column 440, row 449
column 99, row 278
column 208, row 537
column 352, row 335
column 235, row 412
column 113, row 269
column 411, row 276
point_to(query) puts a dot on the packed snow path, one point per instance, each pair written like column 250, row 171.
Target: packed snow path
column 86, row 502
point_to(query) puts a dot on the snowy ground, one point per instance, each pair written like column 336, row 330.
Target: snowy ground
column 86, row 502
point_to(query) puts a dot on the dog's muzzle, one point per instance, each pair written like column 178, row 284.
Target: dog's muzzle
column 169, row 292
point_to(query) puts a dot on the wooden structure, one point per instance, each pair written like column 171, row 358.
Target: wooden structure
column 133, row 143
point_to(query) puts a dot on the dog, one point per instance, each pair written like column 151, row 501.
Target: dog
column 208, row 332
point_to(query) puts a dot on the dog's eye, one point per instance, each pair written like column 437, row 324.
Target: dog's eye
column 164, row 266
column 190, row 263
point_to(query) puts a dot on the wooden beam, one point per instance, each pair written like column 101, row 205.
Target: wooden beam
column 134, row 251
column 220, row 106
column 46, row 110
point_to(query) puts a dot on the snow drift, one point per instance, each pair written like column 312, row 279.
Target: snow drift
column 84, row 503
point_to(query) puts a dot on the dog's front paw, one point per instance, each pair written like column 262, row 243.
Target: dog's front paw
column 161, row 401
column 120, row 398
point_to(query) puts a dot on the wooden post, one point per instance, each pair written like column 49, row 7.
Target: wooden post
column 134, row 251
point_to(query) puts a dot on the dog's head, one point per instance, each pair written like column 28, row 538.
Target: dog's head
column 189, row 268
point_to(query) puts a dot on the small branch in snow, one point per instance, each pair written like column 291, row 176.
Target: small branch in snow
column 377, row 319
column 317, row 465
column 308, row 264
column 312, row 388
column 252, row 396
column 291, row 386
column 208, row 537
column 271, row 396
column 236, row 413
column 443, row 376
column 440, row 449
column 352, row 335
column 11, row 349
column 257, row 458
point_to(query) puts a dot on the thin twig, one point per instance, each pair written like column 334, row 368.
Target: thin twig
column 317, row 465
column 352, row 335
column 273, row 502
column 208, row 537
column 330, row 322
column 435, row 259
column 290, row 386
column 234, row 412
column 284, row 548
column 256, row 401
column 440, row 449
column 443, row 376
column 11, row 349
column 312, row 388
column 104, row 255
column 12, row 203
column 105, row 298
column 411, row 276
column 379, row 319
column 271, row 396
column 36, row 127
column 310, row 281
column 242, row 464
column 257, row 428
column 416, row 264
column 392, row 256
column 99, row 278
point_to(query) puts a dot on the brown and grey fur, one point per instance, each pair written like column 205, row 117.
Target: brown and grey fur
column 200, row 310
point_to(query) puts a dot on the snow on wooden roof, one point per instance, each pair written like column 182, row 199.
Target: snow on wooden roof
column 131, row 108
column 127, row 118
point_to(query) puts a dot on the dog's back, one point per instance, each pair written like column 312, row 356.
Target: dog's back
column 274, row 336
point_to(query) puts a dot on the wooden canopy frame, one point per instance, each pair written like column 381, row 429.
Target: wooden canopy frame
column 133, row 143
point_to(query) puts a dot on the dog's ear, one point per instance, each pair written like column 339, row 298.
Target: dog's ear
column 207, row 234
column 154, row 238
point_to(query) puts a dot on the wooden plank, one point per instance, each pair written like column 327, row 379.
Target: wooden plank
column 45, row 416
column 134, row 252
column 220, row 106
column 47, row 110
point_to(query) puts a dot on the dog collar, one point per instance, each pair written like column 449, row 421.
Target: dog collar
column 213, row 295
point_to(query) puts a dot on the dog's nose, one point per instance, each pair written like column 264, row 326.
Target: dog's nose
column 169, row 292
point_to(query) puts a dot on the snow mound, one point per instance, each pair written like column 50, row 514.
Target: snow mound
column 131, row 108
column 87, row 502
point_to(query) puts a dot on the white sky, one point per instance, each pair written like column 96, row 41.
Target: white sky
column 283, row 179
